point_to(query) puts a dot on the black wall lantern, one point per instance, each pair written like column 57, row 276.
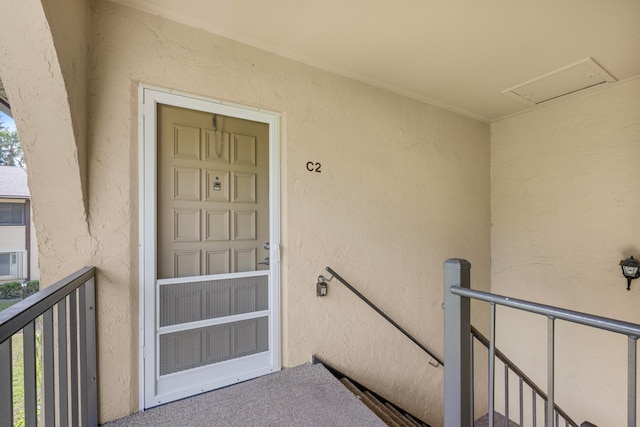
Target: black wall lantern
column 630, row 269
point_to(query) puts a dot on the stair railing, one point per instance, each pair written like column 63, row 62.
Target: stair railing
column 523, row 379
column 458, row 347
column 434, row 358
column 57, row 328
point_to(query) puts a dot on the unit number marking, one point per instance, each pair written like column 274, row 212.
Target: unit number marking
column 314, row 167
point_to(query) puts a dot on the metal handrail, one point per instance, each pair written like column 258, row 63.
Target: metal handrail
column 631, row 330
column 385, row 316
column 612, row 325
column 63, row 316
column 458, row 386
column 16, row 317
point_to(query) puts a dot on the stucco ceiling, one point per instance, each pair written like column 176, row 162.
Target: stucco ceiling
column 458, row 54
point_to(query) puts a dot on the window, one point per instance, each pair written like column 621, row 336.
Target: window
column 12, row 213
column 13, row 265
column 5, row 264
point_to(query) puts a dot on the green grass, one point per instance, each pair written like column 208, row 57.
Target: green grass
column 17, row 368
column 6, row 303
column 17, row 350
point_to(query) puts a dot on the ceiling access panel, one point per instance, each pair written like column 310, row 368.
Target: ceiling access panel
column 564, row 81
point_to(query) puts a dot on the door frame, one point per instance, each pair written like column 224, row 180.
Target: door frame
column 148, row 98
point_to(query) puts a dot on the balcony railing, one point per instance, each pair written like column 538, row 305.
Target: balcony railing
column 458, row 379
column 55, row 370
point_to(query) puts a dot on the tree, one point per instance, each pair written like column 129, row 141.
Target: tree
column 10, row 149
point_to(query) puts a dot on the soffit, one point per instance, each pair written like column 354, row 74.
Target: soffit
column 457, row 54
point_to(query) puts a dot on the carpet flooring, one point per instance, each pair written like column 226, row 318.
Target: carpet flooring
column 307, row 395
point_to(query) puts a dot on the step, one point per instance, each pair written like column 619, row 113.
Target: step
column 370, row 404
column 398, row 420
column 408, row 420
column 385, row 410
column 391, row 414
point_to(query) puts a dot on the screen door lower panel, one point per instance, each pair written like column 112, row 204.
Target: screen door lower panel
column 212, row 330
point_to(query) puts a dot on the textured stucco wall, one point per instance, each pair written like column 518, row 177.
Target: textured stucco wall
column 403, row 187
column 69, row 24
column 32, row 75
column 565, row 205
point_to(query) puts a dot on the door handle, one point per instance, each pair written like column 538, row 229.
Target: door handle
column 265, row 262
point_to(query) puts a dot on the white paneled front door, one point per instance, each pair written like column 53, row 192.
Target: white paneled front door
column 211, row 257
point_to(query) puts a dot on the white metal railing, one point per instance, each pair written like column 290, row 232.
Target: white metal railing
column 458, row 354
column 58, row 358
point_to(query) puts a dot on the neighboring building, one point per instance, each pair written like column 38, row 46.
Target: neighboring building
column 18, row 248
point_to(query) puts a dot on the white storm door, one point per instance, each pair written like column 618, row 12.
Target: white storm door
column 211, row 259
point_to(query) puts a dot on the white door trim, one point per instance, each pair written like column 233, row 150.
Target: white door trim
column 148, row 98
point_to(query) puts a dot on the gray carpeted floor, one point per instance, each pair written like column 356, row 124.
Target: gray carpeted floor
column 307, row 395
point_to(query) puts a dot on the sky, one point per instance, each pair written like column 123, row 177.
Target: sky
column 7, row 121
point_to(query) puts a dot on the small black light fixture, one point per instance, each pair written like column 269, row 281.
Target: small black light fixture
column 630, row 269
column 321, row 287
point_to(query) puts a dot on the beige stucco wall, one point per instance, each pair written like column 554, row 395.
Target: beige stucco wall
column 565, row 206
column 69, row 24
column 403, row 187
column 32, row 74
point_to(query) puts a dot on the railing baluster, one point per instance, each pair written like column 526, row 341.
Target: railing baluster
column 550, row 371
column 63, row 375
column 535, row 410
column 92, row 353
column 89, row 383
column 6, row 383
column 472, row 381
column 73, row 354
column 631, row 405
column 506, row 395
column 30, row 389
column 82, row 335
column 521, row 394
column 48, row 368
column 492, row 362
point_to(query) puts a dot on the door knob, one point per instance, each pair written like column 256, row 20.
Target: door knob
column 265, row 262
